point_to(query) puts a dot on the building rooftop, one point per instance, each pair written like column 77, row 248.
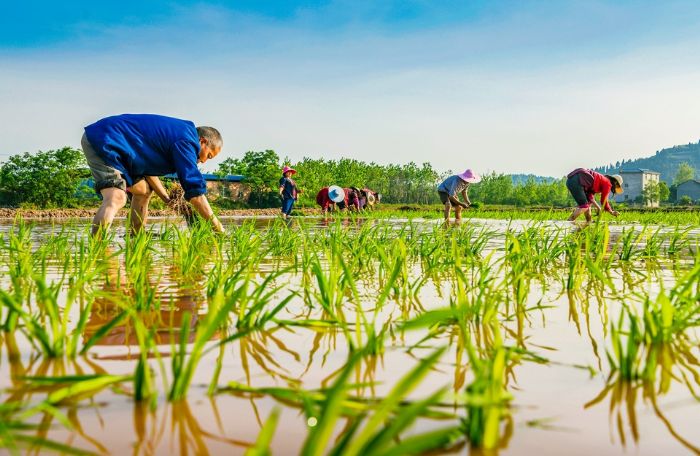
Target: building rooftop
column 638, row 170
column 213, row 177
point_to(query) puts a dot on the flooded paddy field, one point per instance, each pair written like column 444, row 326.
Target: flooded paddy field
column 350, row 336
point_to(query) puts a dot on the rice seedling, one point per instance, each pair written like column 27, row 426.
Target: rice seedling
column 16, row 431
column 678, row 241
column 192, row 249
column 252, row 316
column 630, row 240
column 487, row 399
column 370, row 433
column 649, row 352
column 262, row 444
column 74, row 387
column 282, row 241
column 354, row 285
column 20, row 268
column 330, row 288
column 48, row 330
column 638, row 339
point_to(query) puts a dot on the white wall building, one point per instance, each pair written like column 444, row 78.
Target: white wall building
column 634, row 182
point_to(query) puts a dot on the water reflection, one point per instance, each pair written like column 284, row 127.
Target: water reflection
column 276, row 355
column 165, row 306
column 180, row 424
column 665, row 362
column 27, row 388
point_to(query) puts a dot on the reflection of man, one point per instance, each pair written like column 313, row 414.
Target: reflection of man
column 122, row 150
column 165, row 321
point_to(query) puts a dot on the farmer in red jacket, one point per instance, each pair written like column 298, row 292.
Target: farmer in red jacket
column 583, row 184
column 327, row 197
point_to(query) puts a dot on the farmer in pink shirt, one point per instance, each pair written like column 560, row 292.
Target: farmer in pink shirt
column 583, row 184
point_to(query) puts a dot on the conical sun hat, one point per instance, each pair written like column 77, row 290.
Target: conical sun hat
column 618, row 179
column 470, row 176
column 336, row 194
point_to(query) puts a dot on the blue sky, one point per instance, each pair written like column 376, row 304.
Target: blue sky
column 512, row 86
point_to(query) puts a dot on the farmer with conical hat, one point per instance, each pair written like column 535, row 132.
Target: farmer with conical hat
column 583, row 184
column 454, row 185
column 327, row 197
column 288, row 191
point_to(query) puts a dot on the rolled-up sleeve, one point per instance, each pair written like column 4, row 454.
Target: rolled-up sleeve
column 185, row 159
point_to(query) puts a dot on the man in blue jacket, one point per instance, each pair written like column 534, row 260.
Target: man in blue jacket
column 122, row 150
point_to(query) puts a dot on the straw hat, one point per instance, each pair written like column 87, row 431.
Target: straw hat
column 288, row 169
column 336, row 194
column 470, row 176
column 616, row 179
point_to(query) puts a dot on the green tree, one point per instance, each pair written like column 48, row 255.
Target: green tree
column 261, row 171
column 44, row 179
column 494, row 189
column 685, row 172
column 651, row 193
column 664, row 191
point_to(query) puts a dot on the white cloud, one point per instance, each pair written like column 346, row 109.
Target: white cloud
column 437, row 95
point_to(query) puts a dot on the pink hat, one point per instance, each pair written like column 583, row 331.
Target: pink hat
column 470, row 176
column 288, row 169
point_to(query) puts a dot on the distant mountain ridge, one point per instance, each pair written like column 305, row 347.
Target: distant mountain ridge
column 665, row 161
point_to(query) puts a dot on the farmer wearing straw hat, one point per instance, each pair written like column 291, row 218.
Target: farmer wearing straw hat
column 371, row 198
column 121, row 150
column 288, row 191
column 583, row 184
column 450, row 187
column 327, row 197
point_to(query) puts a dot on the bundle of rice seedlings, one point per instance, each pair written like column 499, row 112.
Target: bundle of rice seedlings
column 180, row 205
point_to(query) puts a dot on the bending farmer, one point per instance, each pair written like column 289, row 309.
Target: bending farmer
column 122, row 150
column 583, row 184
column 327, row 197
column 450, row 187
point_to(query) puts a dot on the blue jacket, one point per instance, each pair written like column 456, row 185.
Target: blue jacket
column 149, row 145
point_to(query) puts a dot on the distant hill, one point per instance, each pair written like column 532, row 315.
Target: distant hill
column 665, row 161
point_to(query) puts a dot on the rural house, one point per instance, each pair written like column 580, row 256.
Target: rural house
column 634, row 182
column 230, row 186
column 690, row 188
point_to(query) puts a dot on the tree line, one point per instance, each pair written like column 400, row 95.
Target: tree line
column 59, row 178
column 408, row 183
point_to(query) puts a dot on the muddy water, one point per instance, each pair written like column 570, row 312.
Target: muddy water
column 568, row 405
